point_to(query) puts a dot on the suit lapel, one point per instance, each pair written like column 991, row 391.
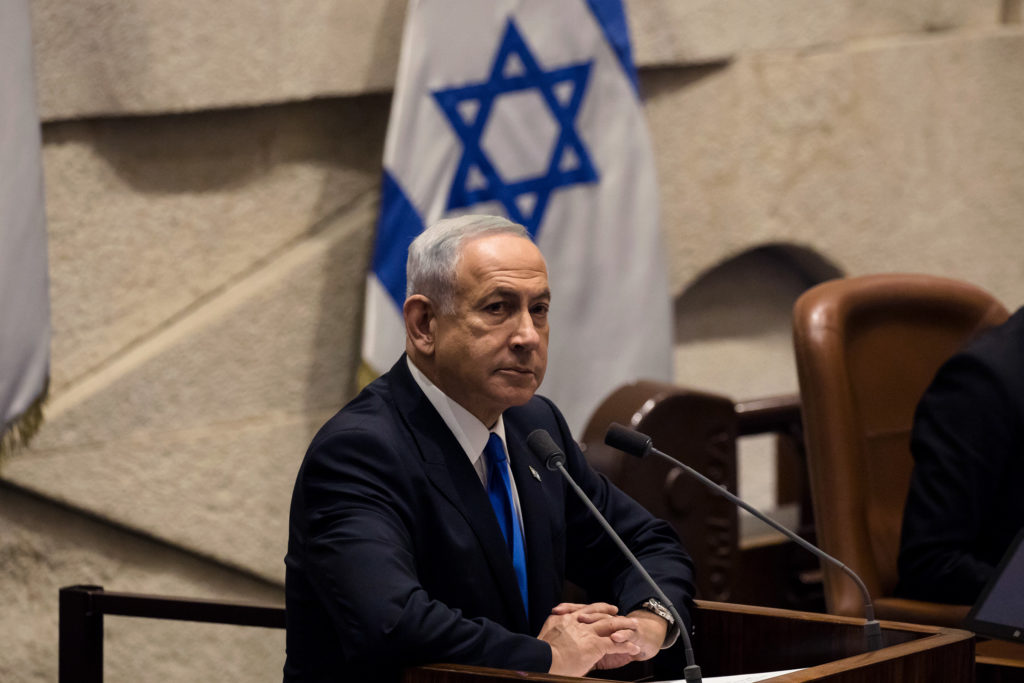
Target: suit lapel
column 453, row 475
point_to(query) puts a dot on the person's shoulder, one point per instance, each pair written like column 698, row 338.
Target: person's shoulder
column 365, row 414
column 1000, row 348
column 1008, row 339
column 985, row 376
column 539, row 410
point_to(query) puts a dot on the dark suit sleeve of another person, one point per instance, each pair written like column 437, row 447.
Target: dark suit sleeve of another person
column 965, row 505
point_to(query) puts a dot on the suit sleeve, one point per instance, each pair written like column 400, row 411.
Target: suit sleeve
column 360, row 553
column 596, row 563
column 960, row 445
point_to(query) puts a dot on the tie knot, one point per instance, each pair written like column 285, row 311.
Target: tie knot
column 494, row 449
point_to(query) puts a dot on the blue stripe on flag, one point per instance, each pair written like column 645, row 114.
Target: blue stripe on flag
column 611, row 16
column 398, row 226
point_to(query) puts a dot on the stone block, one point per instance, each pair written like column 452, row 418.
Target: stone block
column 149, row 216
column 674, row 32
column 102, row 57
column 195, row 435
column 904, row 156
column 44, row 547
column 678, row 32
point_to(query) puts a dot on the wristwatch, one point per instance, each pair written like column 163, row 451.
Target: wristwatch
column 653, row 605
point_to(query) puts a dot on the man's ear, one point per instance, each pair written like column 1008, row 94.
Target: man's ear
column 420, row 318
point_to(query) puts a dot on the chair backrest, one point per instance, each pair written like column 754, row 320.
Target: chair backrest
column 681, row 421
column 866, row 350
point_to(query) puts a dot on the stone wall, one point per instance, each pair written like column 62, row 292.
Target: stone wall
column 211, row 176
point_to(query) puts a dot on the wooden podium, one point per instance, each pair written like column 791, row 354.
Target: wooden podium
column 730, row 639
column 735, row 639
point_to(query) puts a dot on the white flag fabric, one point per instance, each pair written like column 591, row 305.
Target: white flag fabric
column 529, row 109
column 24, row 296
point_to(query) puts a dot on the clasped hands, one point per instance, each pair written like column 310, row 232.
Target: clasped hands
column 594, row 636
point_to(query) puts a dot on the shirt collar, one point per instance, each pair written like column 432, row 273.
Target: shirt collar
column 470, row 432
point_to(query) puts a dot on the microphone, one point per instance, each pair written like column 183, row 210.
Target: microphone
column 640, row 445
column 545, row 448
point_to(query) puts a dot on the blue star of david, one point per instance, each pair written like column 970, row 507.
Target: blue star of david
column 524, row 200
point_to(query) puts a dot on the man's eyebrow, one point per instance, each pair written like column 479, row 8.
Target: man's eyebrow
column 512, row 293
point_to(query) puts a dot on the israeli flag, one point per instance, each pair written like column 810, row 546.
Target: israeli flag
column 529, row 109
column 24, row 296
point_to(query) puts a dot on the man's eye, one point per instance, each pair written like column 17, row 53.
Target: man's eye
column 541, row 309
column 496, row 307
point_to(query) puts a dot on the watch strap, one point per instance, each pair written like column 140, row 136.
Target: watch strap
column 656, row 606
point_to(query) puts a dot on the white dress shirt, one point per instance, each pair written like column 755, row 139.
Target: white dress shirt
column 471, row 433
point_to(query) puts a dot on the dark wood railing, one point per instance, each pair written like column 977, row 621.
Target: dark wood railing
column 82, row 609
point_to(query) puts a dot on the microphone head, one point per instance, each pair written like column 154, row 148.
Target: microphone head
column 628, row 440
column 545, row 448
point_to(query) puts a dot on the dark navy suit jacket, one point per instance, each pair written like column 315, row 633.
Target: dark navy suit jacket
column 965, row 506
column 395, row 557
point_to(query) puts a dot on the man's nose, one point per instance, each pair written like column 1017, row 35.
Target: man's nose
column 525, row 334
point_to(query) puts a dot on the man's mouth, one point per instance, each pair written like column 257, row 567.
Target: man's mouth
column 518, row 371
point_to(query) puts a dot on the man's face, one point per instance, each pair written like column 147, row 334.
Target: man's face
column 491, row 353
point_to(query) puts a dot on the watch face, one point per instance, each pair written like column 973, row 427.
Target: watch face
column 659, row 609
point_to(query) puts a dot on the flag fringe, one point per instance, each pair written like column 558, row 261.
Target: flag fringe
column 19, row 431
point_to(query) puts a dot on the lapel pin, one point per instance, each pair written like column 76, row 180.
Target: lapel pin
column 536, row 475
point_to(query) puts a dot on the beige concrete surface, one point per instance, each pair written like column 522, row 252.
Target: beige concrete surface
column 207, row 421
column 148, row 217
column 904, row 156
column 147, row 56
column 679, row 32
column 44, row 548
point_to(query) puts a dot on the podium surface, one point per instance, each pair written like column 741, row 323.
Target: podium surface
column 736, row 639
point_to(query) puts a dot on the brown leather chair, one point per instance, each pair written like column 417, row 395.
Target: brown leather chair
column 693, row 425
column 866, row 350
column 701, row 429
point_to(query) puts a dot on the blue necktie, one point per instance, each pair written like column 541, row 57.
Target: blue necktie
column 499, row 490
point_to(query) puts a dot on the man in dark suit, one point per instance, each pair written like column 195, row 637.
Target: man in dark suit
column 964, row 506
column 400, row 550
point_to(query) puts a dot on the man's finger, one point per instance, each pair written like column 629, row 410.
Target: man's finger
column 591, row 617
column 598, row 608
column 625, row 636
column 608, row 626
column 592, row 608
column 567, row 607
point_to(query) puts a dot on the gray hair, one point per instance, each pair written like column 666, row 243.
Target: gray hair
column 434, row 255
